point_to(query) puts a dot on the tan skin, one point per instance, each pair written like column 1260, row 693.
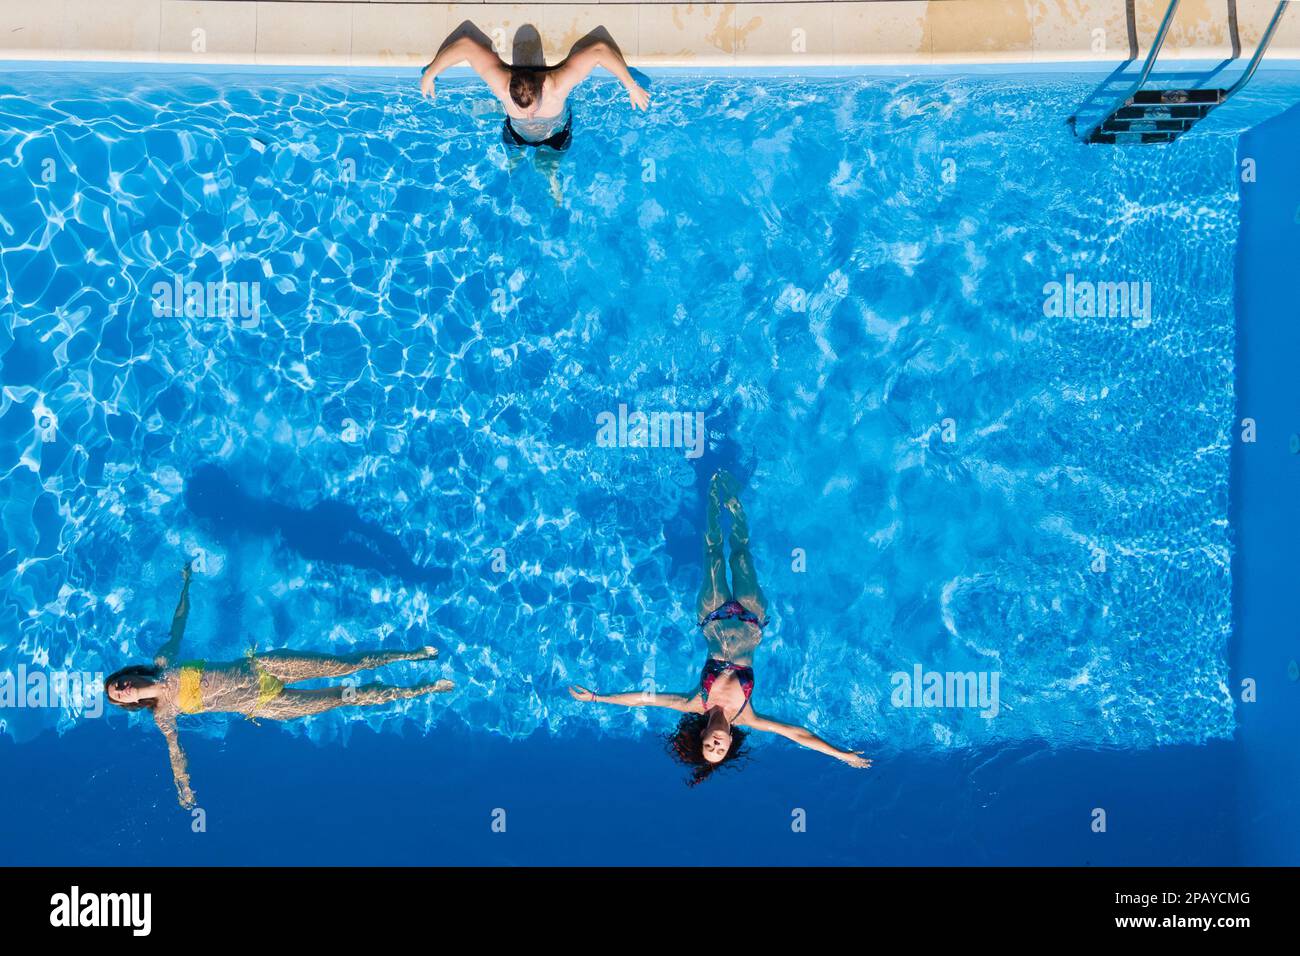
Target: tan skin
column 730, row 640
column 233, row 687
column 557, row 82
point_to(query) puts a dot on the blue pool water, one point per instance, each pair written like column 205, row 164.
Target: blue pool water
column 838, row 273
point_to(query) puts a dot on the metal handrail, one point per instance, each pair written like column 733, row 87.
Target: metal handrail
column 1146, row 69
column 1259, row 51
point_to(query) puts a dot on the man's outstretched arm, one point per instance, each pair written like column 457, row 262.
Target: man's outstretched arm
column 579, row 66
column 479, row 55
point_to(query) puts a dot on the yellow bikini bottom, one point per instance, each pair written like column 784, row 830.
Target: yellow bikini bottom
column 269, row 687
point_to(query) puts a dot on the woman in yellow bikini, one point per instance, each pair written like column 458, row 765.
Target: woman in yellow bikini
column 255, row 686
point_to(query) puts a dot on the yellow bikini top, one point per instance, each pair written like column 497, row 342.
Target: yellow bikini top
column 191, row 695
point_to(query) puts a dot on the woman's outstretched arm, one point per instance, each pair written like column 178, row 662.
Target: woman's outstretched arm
column 167, row 653
column 632, row 698
column 806, row 738
column 180, row 766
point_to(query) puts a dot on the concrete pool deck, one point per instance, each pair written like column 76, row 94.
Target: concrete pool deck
column 405, row 33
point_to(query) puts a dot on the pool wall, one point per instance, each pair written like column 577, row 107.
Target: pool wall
column 430, row 800
column 659, row 34
column 1265, row 507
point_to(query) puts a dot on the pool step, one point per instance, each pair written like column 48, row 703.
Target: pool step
column 1171, row 112
column 1152, row 115
column 1159, row 111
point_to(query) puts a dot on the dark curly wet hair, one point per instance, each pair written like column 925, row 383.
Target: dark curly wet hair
column 148, row 671
column 686, row 745
column 525, row 87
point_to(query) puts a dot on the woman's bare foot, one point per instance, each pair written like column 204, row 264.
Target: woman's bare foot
column 728, row 490
column 713, row 516
column 729, row 493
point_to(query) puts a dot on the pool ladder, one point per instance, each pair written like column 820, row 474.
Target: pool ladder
column 1155, row 115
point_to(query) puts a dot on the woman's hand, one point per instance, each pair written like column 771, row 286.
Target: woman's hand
column 854, row 758
column 639, row 98
column 426, row 84
column 184, row 795
column 578, row 692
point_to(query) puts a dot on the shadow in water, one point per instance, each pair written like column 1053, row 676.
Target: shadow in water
column 330, row 531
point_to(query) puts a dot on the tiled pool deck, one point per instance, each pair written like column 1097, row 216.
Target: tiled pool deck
column 821, row 33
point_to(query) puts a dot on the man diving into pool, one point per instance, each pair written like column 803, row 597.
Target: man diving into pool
column 535, row 97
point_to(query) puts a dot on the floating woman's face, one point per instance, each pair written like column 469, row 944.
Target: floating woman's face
column 716, row 743
column 124, row 691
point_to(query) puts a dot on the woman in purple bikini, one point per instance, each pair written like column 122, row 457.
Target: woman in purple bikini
column 732, row 619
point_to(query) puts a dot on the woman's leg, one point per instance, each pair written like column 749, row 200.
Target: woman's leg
column 303, row 703
column 744, row 577
column 714, row 591
column 289, row 667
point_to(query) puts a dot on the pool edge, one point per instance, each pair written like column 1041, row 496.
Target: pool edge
column 330, row 34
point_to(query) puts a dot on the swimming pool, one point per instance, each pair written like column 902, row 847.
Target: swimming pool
column 388, row 434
